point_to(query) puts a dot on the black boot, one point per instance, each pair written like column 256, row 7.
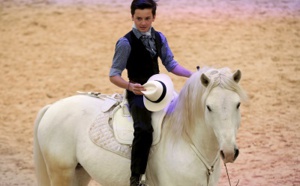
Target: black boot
column 135, row 180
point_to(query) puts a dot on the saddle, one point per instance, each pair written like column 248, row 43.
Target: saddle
column 113, row 129
column 122, row 122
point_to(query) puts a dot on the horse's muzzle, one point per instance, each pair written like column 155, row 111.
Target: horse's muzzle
column 229, row 157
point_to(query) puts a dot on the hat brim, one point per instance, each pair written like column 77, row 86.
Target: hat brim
column 152, row 106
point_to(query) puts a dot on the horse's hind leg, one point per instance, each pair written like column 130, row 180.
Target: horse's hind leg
column 81, row 176
column 62, row 177
column 68, row 176
column 61, row 173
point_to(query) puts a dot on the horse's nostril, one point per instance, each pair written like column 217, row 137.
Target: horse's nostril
column 236, row 153
column 222, row 154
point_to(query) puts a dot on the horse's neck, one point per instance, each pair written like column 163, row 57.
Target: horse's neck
column 205, row 141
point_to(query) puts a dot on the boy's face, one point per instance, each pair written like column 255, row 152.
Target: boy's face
column 143, row 19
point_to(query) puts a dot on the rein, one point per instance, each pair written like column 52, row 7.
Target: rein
column 228, row 176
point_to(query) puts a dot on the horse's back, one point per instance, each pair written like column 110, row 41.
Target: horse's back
column 80, row 104
column 74, row 107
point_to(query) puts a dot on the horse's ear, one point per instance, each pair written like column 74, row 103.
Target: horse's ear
column 237, row 76
column 204, row 80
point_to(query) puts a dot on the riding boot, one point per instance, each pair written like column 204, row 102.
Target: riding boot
column 135, row 180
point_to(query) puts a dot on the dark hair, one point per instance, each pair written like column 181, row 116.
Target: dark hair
column 143, row 4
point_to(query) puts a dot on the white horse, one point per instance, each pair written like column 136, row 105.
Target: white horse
column 200, row 127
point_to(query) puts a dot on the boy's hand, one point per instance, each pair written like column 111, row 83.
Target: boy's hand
column 137, row 88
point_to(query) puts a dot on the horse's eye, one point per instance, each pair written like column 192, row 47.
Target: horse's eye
column 208, row 108
column 238, row 105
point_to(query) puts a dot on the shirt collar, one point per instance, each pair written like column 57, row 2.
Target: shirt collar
column 139, row 34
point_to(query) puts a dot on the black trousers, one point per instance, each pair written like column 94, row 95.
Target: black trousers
column 143, row 133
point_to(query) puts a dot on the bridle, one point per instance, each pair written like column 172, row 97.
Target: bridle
column 210, row 168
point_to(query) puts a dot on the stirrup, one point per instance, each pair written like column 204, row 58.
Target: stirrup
column 143, row 181
column 143, row 184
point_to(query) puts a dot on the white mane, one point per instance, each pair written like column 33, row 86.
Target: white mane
column 189, row 105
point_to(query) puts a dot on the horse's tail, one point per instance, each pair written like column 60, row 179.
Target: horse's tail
column 40, row 165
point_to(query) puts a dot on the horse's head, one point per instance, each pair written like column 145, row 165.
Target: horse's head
column 221, row 103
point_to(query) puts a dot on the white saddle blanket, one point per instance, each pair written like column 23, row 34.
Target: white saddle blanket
column 101, row 133
column 113, row 127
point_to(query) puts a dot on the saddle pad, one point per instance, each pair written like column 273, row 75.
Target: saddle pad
column 101, row 134
column 123, row 125
column 115, row 133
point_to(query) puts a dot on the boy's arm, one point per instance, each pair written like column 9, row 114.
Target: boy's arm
column 133, row 87
column 181, row 71
column 120, row 82
column 168, row 61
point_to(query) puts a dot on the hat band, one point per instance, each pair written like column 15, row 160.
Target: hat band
column 162, row 95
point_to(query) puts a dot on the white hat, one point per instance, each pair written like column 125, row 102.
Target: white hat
column 159, row 92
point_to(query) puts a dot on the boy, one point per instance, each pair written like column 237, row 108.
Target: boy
column 138, row 52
